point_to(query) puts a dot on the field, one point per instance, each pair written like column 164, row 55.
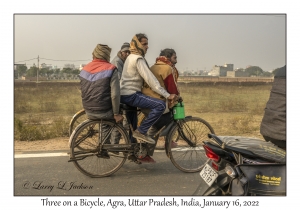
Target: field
column 43, row 110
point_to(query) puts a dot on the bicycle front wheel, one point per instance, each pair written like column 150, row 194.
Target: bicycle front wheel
column 185, row 144
column 87, row 143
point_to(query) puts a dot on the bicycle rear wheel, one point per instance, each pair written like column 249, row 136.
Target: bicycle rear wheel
column 186, row 152
column 78, row 118
column 87, row 148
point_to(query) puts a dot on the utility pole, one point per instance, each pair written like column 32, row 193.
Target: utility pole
column 37, row 71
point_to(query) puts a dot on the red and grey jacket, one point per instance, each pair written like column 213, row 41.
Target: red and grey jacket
column 95, row 80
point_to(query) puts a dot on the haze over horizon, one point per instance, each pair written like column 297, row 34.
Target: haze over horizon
column 200, row 41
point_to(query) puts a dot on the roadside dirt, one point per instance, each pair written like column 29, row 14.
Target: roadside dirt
column 42, row 145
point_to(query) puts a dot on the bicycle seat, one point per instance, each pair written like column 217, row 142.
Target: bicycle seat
column 127, row 107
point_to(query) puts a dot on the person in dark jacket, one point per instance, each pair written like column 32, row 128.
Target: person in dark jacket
column 100, row 88
column 120, row 58
column 273, row 125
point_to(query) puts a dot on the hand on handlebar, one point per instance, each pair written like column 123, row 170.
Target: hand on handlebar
column 118, row 118
column 172, row 100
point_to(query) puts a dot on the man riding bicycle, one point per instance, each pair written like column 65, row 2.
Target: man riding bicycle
column 135, row 72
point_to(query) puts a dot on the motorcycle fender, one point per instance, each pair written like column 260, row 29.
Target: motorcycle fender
column 204, row 190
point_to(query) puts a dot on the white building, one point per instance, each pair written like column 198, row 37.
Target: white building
column 81, row 66
column 221, row 70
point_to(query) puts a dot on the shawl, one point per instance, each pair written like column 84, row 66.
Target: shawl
column 136, row 47
column 167, row 61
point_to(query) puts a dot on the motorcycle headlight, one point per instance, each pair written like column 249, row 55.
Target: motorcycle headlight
column 230, row 171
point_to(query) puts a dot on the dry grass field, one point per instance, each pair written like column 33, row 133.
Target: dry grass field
column 43, row 110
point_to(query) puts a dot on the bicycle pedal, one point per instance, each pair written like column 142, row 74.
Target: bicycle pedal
column 137, row 162
column 131, row 158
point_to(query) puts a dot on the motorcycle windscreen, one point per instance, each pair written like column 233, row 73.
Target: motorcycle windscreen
column 265, row 179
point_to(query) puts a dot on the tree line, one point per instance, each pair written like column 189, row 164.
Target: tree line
column 22, row 70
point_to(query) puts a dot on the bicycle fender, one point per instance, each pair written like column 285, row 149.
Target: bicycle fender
column 75, row 130
column 168, row 137
column 77, row 113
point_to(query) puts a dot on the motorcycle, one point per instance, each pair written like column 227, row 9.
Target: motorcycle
column 241, row 166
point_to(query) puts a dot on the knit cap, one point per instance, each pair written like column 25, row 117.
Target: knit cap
column 125, row 46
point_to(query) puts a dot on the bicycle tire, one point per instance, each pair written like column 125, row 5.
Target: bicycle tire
column 85, row 150
column 77, row 118
column 185, row 157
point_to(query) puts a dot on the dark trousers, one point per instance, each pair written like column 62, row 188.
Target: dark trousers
column 164, row 120
column 156, row 106
column 115, row 134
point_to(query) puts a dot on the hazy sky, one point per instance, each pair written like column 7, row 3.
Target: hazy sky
column 201, row 41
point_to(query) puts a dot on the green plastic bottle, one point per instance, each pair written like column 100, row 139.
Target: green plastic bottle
column 178, row 111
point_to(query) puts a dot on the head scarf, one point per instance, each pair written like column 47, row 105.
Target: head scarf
column 165, row 60
column 136, row 47
column 102, row 52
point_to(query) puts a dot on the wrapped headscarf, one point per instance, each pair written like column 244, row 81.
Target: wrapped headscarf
column 102, row 52
column 136, row 47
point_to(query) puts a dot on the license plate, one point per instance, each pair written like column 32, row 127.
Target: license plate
column 208, row 174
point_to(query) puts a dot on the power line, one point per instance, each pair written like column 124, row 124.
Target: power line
column 52, row 60
column 26, row 60
column 64, row 60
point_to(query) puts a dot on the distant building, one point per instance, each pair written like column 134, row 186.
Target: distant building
column 44, row 66
column 81, row 66
column 241, row 74
column 230, row 74
column 221, row 70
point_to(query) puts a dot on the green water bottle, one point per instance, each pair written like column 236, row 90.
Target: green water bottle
column 178, row 111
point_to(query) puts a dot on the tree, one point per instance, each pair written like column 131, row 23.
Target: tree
column 254, row 70
column 66, row 70
column 43, row 71
column 275, row 70
column 21, row 69
column 50, row 72
column 57, row 71
column 75, row 71
column 267, row 74
column 32, row 71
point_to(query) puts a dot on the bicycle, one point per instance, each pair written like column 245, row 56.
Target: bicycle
column 94, row 156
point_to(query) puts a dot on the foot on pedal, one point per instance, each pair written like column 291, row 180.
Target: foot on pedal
column 136, row 134
column 147, row 159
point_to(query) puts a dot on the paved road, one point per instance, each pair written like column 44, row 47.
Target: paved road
column 51, row 174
